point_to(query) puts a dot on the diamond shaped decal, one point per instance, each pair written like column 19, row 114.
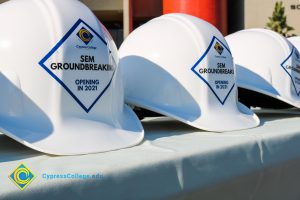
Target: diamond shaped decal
column 82, row 64
column 291, row 66
column 215, row 68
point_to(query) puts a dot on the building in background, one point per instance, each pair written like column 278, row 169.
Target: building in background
column 122, row 16
column 257, row 12
column 110, row 13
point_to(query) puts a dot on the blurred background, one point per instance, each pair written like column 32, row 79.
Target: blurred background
column 122, row 16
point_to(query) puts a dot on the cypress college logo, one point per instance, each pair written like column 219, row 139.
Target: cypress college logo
column 85, row 35
column 22, row 176
column 218, row 47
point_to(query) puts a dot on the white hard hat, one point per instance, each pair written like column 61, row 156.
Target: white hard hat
column 295, row 40
column 266, row 63
column 180, row 66
column 61, row 91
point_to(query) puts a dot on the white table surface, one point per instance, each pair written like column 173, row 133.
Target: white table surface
column 175, row 161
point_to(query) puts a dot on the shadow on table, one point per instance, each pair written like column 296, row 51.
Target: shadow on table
column 276, row 182
column 159, row 126
column 164, row 126
column 271, row 116
column 11, row 150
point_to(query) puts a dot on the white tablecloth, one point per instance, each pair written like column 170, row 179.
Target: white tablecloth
column 175, row 161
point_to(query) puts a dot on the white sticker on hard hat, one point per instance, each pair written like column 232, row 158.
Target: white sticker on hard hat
column 291, row 66
column 217, row 71
column 81, row 62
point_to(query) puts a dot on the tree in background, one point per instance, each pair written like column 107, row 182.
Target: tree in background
column 278, row 21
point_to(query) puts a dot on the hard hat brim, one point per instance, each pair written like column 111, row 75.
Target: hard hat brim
column 78, row 136
column 243, row 118
column 260, row 85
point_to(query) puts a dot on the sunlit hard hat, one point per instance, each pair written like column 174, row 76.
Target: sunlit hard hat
column 180, row 66
column 61, row 90
column 295, row 40
column 266, row 63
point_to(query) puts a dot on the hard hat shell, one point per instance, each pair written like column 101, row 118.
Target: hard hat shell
column 295, row 40
column 61, row 90
column 267, row 63
column 180, row 66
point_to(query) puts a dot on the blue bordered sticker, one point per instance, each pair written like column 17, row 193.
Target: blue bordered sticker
column 217, row 72
column 82, row 64
column 291, row 66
